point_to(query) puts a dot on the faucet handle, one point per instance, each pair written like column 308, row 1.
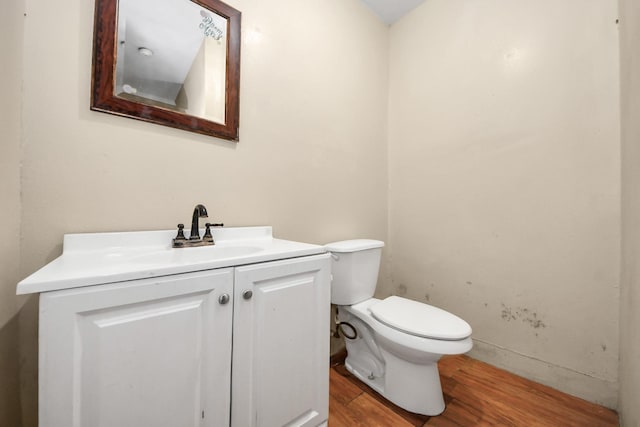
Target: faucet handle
column 207, row 233
column 180, row 235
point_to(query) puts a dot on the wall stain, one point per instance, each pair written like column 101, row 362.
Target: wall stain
column 469, row 282
column 524, row 314
column 426, row 296
column 401, row 289
column 604, row 347
column 507, row 314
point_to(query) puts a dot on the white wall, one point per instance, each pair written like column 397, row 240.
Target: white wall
column 311, row 160
column 11, row 36
column 630, row 292
column 504, row 180
column 312, row 154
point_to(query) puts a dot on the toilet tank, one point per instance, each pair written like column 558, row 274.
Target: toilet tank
column 354, row 270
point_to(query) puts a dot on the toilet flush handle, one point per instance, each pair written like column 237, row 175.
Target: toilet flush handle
column 334, row 256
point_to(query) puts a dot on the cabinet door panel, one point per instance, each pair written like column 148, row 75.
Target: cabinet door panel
column 153, row 352
column 281, row 339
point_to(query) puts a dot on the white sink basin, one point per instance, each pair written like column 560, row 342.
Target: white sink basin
column 195, row 255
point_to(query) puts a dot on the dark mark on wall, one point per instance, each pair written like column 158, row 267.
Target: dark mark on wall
column 604, row 347
column 469, row 283
column 401, row 289
column 508, row 314
column 427, row 297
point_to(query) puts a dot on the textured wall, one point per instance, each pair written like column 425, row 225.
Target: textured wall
column 504, row 180
column 630, row 292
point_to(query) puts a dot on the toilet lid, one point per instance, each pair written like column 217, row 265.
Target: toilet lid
column 356, row 245
column 420, row 319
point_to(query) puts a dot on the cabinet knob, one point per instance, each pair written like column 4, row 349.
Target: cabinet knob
column 223, row 299
column 247, row 294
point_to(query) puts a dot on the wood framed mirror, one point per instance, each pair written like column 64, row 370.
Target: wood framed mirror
column 170, row 62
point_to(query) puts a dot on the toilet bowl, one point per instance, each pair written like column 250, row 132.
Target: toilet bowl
column 393, row 345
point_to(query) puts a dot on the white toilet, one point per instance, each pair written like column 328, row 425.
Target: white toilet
column 393, row 345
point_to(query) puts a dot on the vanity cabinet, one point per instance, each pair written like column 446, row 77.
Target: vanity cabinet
column 238, row 346
column 281, row 343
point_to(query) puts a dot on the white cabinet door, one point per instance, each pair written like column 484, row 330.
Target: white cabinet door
column 145, row 353
column 281, row 343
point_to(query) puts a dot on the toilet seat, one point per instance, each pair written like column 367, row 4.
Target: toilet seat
column 421, row 320
column 412, row 343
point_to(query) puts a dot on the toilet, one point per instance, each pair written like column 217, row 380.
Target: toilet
column 394, row 344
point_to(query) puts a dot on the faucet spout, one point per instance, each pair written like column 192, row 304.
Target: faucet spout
column 198, row 212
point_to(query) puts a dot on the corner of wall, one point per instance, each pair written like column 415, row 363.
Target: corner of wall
column 629, row 365
column 11, row 48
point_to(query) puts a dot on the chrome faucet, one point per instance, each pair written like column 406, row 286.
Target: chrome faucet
column 194, row 239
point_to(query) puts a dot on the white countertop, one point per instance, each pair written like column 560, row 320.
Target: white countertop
column 100, row 258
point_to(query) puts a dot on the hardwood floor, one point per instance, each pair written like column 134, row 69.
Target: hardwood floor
column 476, row 394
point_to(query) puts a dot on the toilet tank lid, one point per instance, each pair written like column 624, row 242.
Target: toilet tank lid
column 420, row 319
column 353, row 245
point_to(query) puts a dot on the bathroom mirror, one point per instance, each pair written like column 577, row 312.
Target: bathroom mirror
column 169, row 62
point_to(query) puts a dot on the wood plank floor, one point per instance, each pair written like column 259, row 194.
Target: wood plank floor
column 476, row 394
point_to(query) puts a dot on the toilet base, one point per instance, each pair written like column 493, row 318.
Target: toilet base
column 415, row 388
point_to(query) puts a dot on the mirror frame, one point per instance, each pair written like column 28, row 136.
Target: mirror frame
column 104, row 65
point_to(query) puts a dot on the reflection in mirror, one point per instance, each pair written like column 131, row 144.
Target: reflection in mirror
column 170, row 62
column 172, row 54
